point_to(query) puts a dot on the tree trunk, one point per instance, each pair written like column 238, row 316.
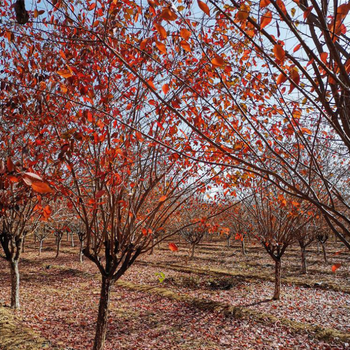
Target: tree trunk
column 151, row 251
column 101, row 326
column 58, row 247
column 248, row 237
column 228, row 241
column 14, row 284
column 324, row 252
column 243, row 246
column 192, row 251
column 303, row 260
column 23, row 242
column 277, row 293
column 72, row 239
column 40, row 246
column 81, row 252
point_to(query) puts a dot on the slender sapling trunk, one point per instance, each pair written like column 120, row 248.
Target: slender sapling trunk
column 192, row 251
column 303, row 260
column 14, row 284
column 324, row 252
column 277, row 292
column 243, row 246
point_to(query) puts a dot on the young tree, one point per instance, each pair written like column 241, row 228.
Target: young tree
column 275, row 221
column 122, row 198
column 236, row 220
column 41, row 232
column 305, row 237
column 193, row 220
column 308, row 234
column 17, row 211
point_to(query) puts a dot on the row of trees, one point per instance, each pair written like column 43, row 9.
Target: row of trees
column 123, row 110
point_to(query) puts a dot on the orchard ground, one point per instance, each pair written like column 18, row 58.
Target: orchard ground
column 219, row 300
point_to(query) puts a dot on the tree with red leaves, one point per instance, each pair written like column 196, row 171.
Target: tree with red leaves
column 275, row 220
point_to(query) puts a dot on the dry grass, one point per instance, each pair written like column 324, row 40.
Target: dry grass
column 13, row 336
column 248, row 275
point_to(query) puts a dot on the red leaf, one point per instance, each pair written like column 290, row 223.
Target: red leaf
column 185, row 34
column 324, row 56
column 165, row 88
column 335, row 267
column 161, row 30
column 279, row 52
column 343, row 9
column 100, row 193
column 243, row 12
column 297, row 48
column 10, row 166
column 218, row 61
column 41, row 187
column 295, row 78
column 65, row 73
column 264, row 3
column 347, row 66
column 282, row 6
column 151, row 84
column 47, row 211
column 204, row 7
column 307, row 12
column 281, row 79
column 13, row 179
column 265, row 19
column 306, row 131
column 168, row 15
column 92, row 6
column 29, row 178
column 162, row 198
column 173, row 247
column 143, row 44
column 161, row 47
column 185, row 45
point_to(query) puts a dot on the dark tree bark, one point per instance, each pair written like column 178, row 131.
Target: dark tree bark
column 243, row 246
column 193, row 246
column 324, row 252
column 303, row 260
column 22, row 15
column 111, row 272
column 102, row 318
column 12, row 255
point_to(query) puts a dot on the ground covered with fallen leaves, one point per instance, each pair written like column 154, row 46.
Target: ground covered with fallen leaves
column 219, row 300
